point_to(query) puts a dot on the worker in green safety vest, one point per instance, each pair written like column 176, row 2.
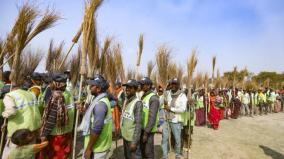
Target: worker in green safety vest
column 131, row 121
column 96, row 124
column 36, row 89
column 21, row 110
column 149, row 118
column 58, row 120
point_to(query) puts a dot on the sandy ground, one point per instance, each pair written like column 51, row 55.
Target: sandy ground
column 260, row 137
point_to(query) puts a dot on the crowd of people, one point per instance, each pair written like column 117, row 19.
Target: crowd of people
column 39, row 116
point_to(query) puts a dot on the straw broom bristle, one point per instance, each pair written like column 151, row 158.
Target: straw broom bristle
column 172, row 70
column 130, row 74
column 111, row 71
column 213, row 66
column 24, row 32
column 119, row 62
column 191, row 65
column 104, row 53
column 48, row 20
column 180, row 72
column 140, row 50
column 163, row 60
column 74, row 70
column 198, row 80
column 92, row 50
column 54, row 58
column 88, row 31
column 49, row 58
column 23, row 27
column 206, row 80
column 234, row 75
column 150, row 67
column 29, row 63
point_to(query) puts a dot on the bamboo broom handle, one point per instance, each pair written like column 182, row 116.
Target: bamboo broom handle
column 3, row 49
column 4, row 126
column 9, row 58
column 3, row 135
column 74, row 41
column 77, row 119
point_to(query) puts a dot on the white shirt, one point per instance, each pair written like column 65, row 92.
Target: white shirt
column 180, row 105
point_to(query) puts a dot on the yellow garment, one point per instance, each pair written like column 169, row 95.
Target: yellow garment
column 36, row 91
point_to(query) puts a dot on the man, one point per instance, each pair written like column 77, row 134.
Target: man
column 176, row 106
column 22, row 112
column 254, row 103
column 149, row 118
column 261, row 101
column 97, row 121
column 131, row 122
column 119, row 93
column 58, row 120
column 245, row 98
column 68, row 82
column 36, row 89
column 199, row 108
column 36, row 84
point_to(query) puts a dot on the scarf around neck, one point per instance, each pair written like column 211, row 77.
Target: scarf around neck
column 86, row 121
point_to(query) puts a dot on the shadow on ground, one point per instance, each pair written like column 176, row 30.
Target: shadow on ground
column 272, row 153
column 119, row 154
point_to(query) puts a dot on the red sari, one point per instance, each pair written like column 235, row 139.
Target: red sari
column 214, row 114
column 59, row 147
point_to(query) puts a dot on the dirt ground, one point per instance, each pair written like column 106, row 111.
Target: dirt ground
column 260, row 137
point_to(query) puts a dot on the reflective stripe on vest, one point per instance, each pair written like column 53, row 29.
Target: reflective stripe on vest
column 27, row 115
column 128, row 121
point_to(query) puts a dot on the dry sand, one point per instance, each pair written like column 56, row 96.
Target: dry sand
column 260, row 137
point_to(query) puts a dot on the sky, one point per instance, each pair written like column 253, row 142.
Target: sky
column 243, row 33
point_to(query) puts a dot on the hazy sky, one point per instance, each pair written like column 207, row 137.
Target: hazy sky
column 245, row 33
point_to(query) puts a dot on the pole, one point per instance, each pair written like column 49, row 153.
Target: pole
column 74, row 40
column 9, row 58
column 189, row 121
column 3, row 129
column 77, row 119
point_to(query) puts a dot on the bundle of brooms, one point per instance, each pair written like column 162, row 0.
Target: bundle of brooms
column 191, row 65
column 24, row 30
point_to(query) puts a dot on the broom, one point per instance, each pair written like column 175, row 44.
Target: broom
column 74, row 41
column 23, row 32
column 213, row 68
column 90, row 8
column 206, row 79
column 162, row 61
column 139, row 54
column 191, row 65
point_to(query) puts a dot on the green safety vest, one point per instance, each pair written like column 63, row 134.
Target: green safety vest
column 199, row 102
column 145, row 114
column 27, row 115
column 104, row 141
column 1, row 100
column 1, row 107
column 254, row 99
column 128, row 121
column 261, row 98
column 69, row 104
column 22, row 152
